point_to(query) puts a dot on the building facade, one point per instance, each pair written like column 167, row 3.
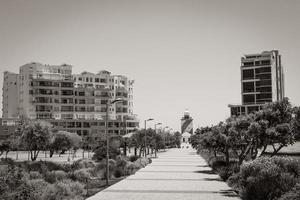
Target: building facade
column 262, row 81
column 72, row 102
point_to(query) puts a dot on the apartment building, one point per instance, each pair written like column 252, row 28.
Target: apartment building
column 262, row 81
column 10, row 95
column 73, row 102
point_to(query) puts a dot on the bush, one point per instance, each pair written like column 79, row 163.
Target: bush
column 82, row 163
column 64, row 190
column 293, row 194
column 131, row 168
column 266, row 178
column 100, row 153
column 60, row 175
column 50, row 177
column 44, row 166
column 81, row 175
column 226, row 171
column 118, row 173
column 38, row 185
column 35, row 175
column 133, row 158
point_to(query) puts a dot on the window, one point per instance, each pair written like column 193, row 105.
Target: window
column 247, row 64
column 97, row 80
column 248, row 74
column 265, row 62
column 248, row 87
column 248, row 99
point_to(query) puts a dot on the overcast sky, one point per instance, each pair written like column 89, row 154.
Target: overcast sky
column 182, row 54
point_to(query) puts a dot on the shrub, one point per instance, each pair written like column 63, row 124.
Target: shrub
column 131, row 168
column 44, row 166
column 83, row 163
column 35, row 175
column 64, row 190
column 142, row 162
column 23, row 192
column 118, row 173
column 60, row 175
column 38, row 185
column 96, row 172
column 266, row 178
column 81, row 175
column 293, row 194
column 100, row 153
column 50, row 177
column 133, row 158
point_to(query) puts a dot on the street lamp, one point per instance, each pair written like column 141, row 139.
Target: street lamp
column 155, row 138
column 106, row 134
column 145, row 137
column 164, row 137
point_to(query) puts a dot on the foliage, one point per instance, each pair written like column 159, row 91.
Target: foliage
column 5, row 146
column 35, row 136
column 266, row 178
column 100, row 151
column 62, row 141
column 293, row 194
column 64, row 190
column 243, row 137
column 133, row 158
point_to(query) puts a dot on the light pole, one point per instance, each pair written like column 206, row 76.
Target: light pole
column 107, row 138
column 155, row 139
column 145, row 137
column 164, row 137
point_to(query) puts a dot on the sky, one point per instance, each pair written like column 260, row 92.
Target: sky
column 182, row 54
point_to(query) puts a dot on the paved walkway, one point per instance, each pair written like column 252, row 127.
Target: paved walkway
column 176, row 174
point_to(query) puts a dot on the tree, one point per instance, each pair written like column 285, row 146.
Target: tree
column 280, row 125
column 100, row 150
column 5, row 146
column 35, row 136
column 177, row 139
column 63, row 141
column 296, row 123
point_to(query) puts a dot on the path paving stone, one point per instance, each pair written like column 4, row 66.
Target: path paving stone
column 175, row 174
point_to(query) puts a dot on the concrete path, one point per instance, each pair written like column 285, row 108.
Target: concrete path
column 176, row 174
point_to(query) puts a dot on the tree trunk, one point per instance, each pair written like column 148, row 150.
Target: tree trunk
column 227, row 156
column 51, row 153
column 264, row 150
column 125, row 149
column 276, row 150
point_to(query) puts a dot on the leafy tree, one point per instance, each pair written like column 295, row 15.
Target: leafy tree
column 177, row 139
column 35, row 136
column 278, row 118
column 62, row 141
column 5, row 146
column 100, row 150
column 296, row 123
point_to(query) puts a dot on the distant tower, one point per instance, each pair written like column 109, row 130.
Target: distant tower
column 187, row 123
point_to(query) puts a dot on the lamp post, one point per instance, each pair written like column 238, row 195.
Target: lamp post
column 164, row 137
column 155, row 151
column 145, row 137
column 107, row 138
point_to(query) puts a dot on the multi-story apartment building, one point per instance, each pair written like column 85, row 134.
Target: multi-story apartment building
column 10, row 95
column 73, row 102
column 262, row 81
